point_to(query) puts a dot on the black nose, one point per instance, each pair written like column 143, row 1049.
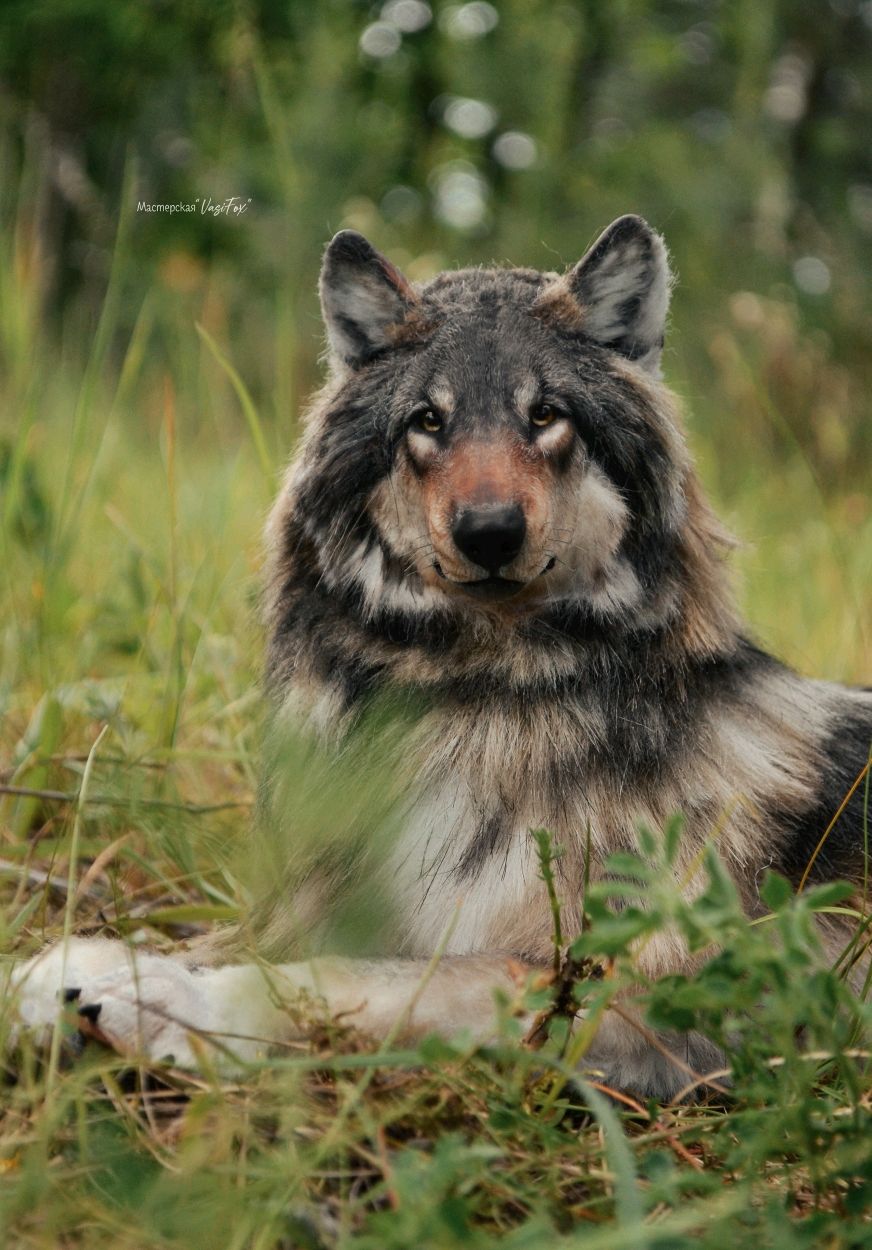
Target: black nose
column 491, row 535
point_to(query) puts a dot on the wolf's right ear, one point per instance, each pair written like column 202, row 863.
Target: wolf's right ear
column 363, row 297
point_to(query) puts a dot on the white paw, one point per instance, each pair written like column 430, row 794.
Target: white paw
column 35, row 988
column 157, row 1011
column 141, row 1004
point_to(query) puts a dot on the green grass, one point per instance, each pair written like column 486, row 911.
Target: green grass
column 133, row 496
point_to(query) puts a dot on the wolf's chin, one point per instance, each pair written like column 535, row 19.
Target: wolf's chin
column 492, row 589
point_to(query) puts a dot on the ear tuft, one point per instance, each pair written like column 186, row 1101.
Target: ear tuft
column 363, row 296
column 622, row 285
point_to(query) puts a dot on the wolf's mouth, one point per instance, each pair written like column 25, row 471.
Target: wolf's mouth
column 493, row 589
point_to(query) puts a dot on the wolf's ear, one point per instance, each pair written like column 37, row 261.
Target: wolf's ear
column 622, row 285
column 363, row 296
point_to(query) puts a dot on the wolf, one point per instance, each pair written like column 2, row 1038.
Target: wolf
column 493, row 512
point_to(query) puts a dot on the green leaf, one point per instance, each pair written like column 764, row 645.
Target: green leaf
column 672, row 836
column 827, row 894
column 191, row 913
column 775, row 890
column 625, row 864
column 613, row 935
column 437, row 1051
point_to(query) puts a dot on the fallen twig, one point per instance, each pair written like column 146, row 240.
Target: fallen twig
column 106, row 800
column 36, row 876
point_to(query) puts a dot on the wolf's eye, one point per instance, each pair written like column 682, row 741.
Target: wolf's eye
column 428, row 421
column 544, row 415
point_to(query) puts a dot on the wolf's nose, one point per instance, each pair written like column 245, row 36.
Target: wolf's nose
column 490, row 536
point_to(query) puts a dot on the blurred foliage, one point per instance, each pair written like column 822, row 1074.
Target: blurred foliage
column 461, row 133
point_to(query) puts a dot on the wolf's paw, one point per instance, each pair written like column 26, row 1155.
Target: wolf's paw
column 150, row 1006
column 155, row 1011
column 35, row 991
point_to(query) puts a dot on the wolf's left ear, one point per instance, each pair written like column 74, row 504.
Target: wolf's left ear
column 363, row 296
column 622, row 285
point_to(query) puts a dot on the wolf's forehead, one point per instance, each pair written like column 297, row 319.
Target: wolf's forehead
column 487, row 339
column 482, row 363
column 488, row 349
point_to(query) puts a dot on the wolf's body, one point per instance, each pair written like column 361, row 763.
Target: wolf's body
column 493, row 513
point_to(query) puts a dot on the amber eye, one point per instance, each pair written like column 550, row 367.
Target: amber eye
column 543, row 415
column 428, row 421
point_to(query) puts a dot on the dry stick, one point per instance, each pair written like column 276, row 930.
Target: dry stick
column 78, row 758
column 36, row 876
column 6, row 773
column 778, row 1061
column 637, row 1107
column 61, row 796
column 844, row 803
column 105, row 857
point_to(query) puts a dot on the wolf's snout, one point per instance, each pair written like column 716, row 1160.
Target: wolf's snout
column 490, row 536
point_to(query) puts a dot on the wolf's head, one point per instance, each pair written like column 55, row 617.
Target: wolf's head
column 496, row 445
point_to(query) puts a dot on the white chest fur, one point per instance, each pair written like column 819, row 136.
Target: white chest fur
column 458, row 869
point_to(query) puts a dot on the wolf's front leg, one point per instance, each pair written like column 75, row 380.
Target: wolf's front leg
column 157, row 1007
column 242, row 1011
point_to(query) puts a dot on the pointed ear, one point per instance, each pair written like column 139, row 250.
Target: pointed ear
column 362, row 298
column 622, row 285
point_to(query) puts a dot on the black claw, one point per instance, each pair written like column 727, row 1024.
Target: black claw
column 91, row 1011
column 71, row 995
